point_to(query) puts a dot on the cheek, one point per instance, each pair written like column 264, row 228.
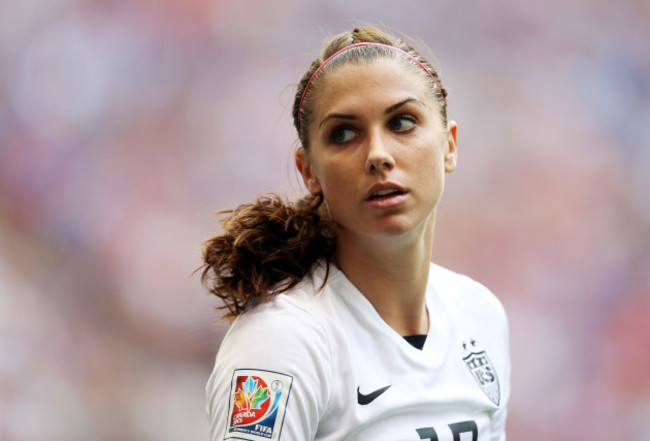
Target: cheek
column 337, row 187
column 333, row 182
column 428, row 158
column 329, row 170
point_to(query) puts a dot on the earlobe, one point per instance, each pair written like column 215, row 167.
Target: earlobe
column 307, row 172
column 451, row 154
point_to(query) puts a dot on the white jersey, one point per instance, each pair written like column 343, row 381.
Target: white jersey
column 323, row 365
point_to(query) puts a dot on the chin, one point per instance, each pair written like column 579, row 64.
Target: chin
column 398, row 228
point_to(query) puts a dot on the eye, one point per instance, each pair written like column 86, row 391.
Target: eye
column 341, row 135
column 402, row 123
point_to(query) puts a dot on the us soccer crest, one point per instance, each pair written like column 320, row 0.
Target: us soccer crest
column 258, row 400
column 482, row 370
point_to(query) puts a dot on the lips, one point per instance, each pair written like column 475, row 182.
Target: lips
column 384, row 191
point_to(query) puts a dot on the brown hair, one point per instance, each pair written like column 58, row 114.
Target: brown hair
column 302, row 114
column 267, row 247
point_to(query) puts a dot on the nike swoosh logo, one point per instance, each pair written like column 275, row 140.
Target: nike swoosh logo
column 364, row 399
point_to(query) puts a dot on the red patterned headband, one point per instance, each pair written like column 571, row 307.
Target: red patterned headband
column 367, row 43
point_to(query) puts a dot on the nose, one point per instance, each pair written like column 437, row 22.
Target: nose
column 379, row 158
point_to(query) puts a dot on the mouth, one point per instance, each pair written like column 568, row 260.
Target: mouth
column 384, row 190
column 385, row 194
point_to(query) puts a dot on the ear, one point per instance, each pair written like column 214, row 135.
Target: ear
column 307, row 172
column 452, row 141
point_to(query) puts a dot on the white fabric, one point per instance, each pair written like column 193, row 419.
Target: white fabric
column 333, row 341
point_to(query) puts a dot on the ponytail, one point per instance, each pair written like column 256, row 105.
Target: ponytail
column 266, row 248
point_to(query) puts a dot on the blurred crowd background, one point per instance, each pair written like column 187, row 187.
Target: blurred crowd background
column 124, row 125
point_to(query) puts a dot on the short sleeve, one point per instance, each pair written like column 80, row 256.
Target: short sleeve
column 498, row 420
column 272, row 376
column 490, row 316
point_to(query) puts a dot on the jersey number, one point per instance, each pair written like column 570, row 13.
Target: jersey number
column 456, row 428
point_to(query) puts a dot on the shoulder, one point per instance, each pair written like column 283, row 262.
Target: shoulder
column 463, row 291
column 287, row 322
column 282, row 342
column 284, row 334
column 456, row 287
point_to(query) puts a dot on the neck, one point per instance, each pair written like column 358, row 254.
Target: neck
column 392, row 273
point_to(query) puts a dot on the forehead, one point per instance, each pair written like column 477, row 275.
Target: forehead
column 379, row 81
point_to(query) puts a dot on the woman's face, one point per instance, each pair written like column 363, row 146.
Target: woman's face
column 378, row 149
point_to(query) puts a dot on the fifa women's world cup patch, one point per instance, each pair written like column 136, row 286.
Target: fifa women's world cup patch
column 258, row 400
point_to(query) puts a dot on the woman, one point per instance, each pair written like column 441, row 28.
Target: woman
column 344, row 329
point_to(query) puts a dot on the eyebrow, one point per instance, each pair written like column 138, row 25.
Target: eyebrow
column 388, row 110
column 396, row 106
